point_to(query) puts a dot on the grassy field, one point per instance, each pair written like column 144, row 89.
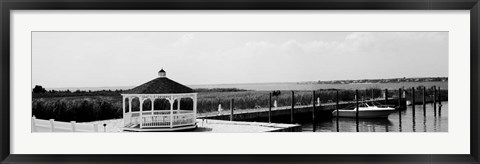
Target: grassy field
column 82, row 108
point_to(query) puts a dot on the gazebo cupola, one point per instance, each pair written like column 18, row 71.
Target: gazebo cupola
column 162, row 73
column 159, row 105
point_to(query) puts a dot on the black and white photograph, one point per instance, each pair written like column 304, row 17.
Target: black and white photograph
column 239, row 81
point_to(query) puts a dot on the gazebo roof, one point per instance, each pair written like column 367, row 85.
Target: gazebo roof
column 160, row 85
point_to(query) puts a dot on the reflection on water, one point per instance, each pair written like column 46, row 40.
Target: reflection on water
column 416, row 120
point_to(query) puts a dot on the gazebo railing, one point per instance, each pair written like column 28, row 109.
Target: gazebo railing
column 156, row 121
column 159, row 118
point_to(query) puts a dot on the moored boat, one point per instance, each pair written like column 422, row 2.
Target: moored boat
column 366, row 110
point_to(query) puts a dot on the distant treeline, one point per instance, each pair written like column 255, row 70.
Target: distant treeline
column 68, row 93
column 393, row 80
column 101, row 107
column 219, row 90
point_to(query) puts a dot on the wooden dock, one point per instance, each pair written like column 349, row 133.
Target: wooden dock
column 223, row 126
column 324, row 110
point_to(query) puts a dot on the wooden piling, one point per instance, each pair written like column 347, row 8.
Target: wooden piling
column 439, row 101
column 424, row 101
column 435, row 100
column 413, row 109
column 313, row 111
column 356, row 110
column 336, row 109
column 399, row 98
column 400, row 106
column 313, row 102
column 400, row 119
column 270, row 108
column 439, row 96
column 373, row 97
column 386, row 96
column 231, row 110
column 293, row 106
column 413, row 102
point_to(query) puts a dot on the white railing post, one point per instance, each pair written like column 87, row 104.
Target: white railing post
column 52, row 125
column 73, row 125
column 34, row 126
column 95, row 127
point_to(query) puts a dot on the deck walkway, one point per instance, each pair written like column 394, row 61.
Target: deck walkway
column 204, row 125
column 245, row 114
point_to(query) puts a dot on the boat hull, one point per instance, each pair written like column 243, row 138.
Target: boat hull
column 363, row 114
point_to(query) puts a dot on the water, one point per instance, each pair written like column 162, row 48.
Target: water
column 286, row 86
column 408, row 123
column 297, row 86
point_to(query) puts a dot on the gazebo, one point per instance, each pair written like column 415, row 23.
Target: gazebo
column 159, row 105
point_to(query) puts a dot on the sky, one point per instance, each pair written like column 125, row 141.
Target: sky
column 109, row 59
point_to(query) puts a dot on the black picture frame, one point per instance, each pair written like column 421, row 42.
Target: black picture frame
column 5, row 84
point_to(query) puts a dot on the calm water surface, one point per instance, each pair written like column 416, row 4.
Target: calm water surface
column 403, row 122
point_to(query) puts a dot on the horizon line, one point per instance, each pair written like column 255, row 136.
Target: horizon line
column 254, row 83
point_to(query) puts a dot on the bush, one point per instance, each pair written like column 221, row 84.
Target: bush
column 80, row 109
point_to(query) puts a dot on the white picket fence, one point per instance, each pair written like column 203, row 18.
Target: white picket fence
column 39, row 125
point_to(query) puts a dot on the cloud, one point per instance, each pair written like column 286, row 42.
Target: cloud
column 184, row 40
column 355, row 43
column 376, row 41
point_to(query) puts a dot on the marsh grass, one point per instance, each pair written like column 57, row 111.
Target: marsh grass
column 93, row 108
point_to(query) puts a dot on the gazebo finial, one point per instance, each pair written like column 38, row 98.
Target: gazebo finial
column 162, row 73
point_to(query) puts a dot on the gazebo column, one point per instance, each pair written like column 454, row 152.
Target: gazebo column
column 172, row 101
column 123, row 99
column 178, row 105
column 130, row 109
column 141, row 112
column 130, row 104
column 194, row 107
column 152, row 100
